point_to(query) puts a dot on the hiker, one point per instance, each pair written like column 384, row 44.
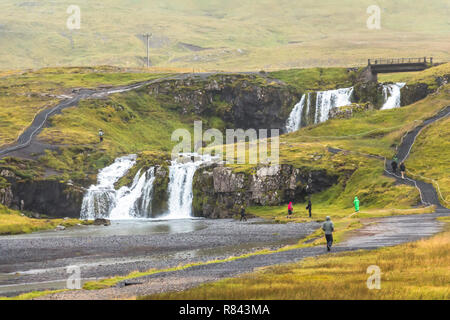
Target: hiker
column 290, row 209
column 328, row 227
column 100, row 135
column 243, row 213
column 309, row 207
column 394, row 164
column 356, row 203
column 402, row 169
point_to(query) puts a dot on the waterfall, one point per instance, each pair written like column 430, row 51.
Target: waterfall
column 103, row 201
column 294, row 121
column 134, row 202
column 325, row 101
column 100, row 198
column 391, row 93
column 181, row 176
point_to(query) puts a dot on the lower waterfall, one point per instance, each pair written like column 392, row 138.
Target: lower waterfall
column 103, row 201
column 181, row 175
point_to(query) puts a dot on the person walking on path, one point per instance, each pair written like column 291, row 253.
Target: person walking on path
column 328, row 227
column 356, row 203
column 243, row 217
column 309, row 207
column 394, row 164
column 100, row 135
column 402, row 169
column 290, row 210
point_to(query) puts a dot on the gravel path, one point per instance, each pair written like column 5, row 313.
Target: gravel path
column 37, row 258
column 383, row 232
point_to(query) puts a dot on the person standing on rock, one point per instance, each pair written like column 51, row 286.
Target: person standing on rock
column 402, row 169
column 309, row 207
column 243, row 217
column 328, row 228
column 290, row 209
column 356, row 203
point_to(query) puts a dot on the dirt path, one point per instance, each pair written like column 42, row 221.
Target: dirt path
column 26, row 143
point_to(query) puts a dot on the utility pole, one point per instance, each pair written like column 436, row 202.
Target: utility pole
column 148, row 36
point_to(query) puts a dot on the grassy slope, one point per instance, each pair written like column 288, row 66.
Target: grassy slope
column 430, row 157
column 238, row 35
column 23, row 95
column 427, row 76
column 417, row 270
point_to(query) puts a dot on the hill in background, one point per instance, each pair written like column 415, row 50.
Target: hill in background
column 220, row 35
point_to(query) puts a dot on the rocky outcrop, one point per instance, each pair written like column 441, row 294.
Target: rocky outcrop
column 347, row 112
column 372, row 92
column 240, row 101
column 219, row 191
column 411, row 93
column 51, row 198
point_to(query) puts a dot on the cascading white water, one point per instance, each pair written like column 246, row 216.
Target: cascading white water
column 295, row 118
column 134, row 202
column 103, row 201
column 326, row 100
column 391, row 93
column 181, row 175
column 101, row 198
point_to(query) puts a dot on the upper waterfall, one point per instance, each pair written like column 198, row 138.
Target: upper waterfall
column 319, row 110
column 391, row 94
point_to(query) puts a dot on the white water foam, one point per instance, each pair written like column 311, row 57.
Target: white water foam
column 391, row 93
column 101, row 198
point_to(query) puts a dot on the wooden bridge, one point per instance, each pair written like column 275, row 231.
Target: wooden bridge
column 376, row 66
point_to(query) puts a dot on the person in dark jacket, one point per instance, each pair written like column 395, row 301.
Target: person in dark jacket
column 309, row 207
column 243, row 217
column 394, row 165
column 402, row 169
column 328, row 227
column 100, row 135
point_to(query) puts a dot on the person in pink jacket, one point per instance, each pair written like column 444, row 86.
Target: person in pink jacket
column 290, row 209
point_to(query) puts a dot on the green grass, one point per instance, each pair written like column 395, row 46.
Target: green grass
column 12, row 222
column 236, row 35
column 427, row 76
column 23, row 95
column 430, row 157
column 315, row 79
column 417, row 270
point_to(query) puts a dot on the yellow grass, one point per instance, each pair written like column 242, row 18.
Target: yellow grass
column 12, row 222
column 418, row 270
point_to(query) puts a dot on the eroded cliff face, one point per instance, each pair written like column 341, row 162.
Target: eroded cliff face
column 219, row 192
column 51, row 198
column 240, row 101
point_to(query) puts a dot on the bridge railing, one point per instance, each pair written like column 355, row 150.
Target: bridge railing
column 401, row 60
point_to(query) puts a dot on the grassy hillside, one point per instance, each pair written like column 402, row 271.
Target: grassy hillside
column 218, row 35
column 430, row 157
column 342, row 276
column 23, row 94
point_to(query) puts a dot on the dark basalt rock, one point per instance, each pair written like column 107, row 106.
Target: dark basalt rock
column 241, row 101
column 219, row 192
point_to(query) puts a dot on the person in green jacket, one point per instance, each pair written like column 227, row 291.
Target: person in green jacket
column 356, row 203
